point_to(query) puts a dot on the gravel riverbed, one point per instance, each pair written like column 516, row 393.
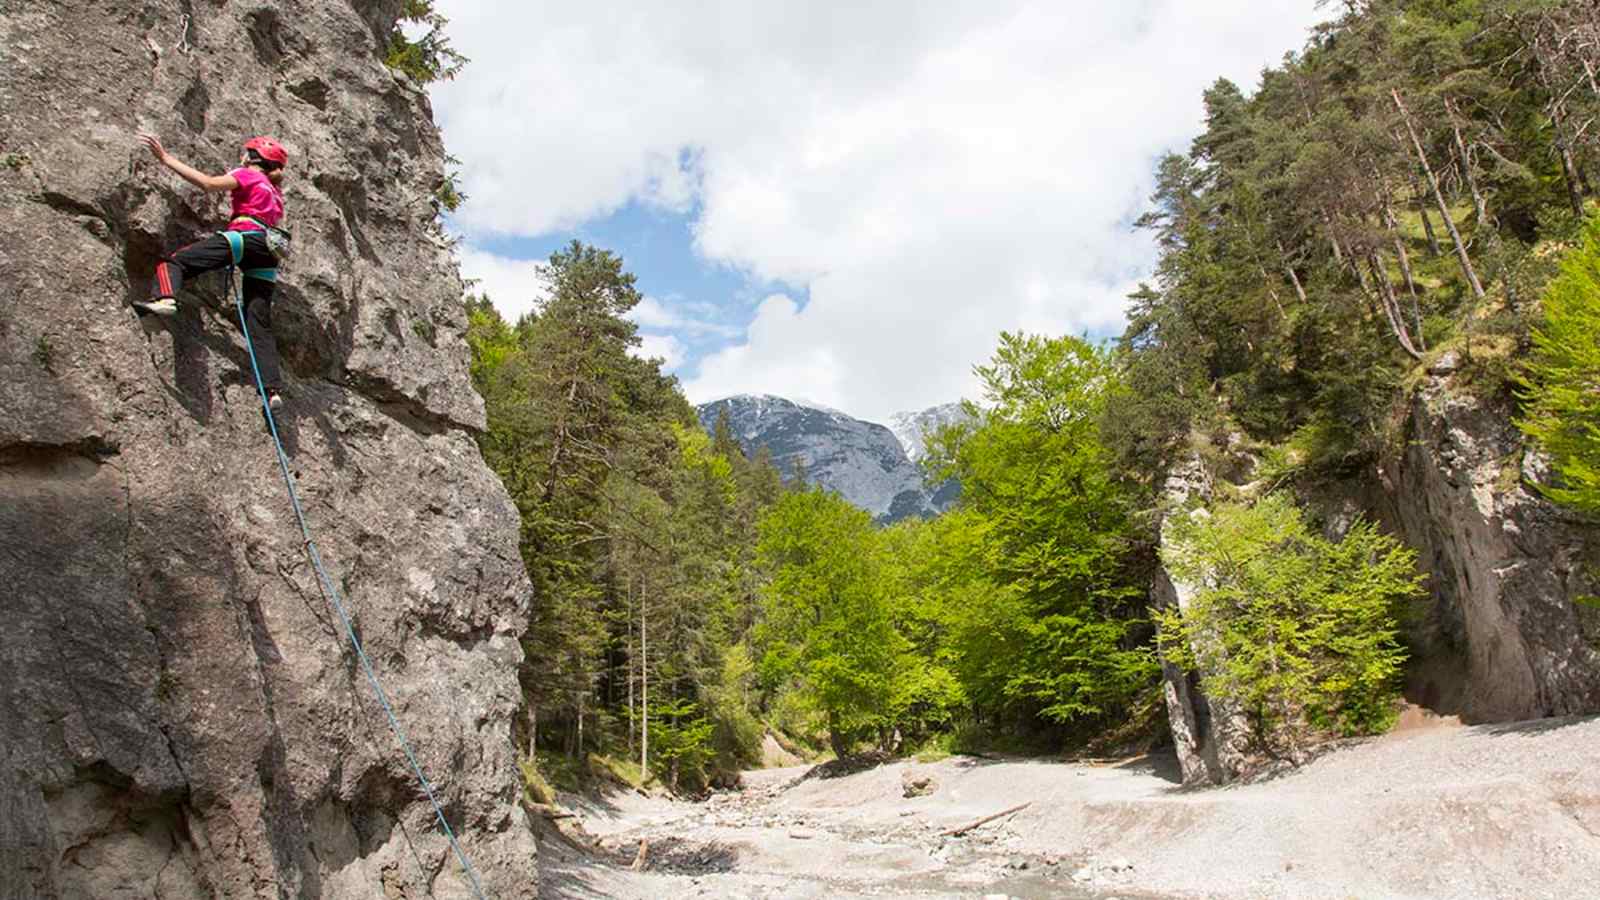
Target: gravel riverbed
column 1455, row 812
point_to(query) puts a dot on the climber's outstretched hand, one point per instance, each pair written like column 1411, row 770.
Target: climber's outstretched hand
column 154, row 143
column 189, row 173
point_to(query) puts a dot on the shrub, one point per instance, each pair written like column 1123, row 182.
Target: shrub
column 428, row 57
column 44, row 353
column 534, row 785
column 1301, row 633
column 447, row 194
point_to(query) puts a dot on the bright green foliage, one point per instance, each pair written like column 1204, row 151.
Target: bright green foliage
column 447, row 194
column 1562, row 385
column 927, row 695
column 1299, row 631
column 429, row 57
column 731, row 703
column 681, row 744
column 827, row 624
column 1043, row 574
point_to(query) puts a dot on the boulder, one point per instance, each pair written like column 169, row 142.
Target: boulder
column 917, row 782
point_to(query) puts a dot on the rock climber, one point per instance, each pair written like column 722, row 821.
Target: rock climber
column 252, row 242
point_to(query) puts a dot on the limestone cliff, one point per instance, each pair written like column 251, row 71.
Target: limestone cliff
column 180, row 715
column 1502, row 637
column 1209, row 735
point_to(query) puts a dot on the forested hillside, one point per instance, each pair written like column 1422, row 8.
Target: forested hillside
column 1401, row 187
column 1368, row 238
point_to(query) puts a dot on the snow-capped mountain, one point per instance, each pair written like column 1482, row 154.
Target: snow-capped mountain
column 864, row 462
column 913, row 428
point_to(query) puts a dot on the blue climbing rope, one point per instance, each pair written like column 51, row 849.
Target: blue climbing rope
column 332, row 593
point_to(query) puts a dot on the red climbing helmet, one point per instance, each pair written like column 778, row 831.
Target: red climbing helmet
column 268, row 150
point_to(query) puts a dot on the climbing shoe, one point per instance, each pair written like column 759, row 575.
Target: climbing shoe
column 161, row 306
column 274, row 401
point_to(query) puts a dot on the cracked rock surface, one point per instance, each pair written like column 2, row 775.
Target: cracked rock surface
column 1504, row 634
column 180, row 715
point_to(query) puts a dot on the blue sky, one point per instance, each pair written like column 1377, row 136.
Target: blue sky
column 836, row 201
column 657, row 246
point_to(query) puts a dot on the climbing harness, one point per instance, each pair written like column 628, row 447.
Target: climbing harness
column 236, row 244
column 278, row 239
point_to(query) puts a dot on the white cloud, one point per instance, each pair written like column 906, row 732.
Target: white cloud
column 654, row 313
column 933, row 172
column 664, row 347
column 513, row 285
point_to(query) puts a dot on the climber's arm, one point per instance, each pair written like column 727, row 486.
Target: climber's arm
column 189, row 173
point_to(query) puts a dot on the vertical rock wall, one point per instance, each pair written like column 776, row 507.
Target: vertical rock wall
column 1502, row 637
column 1210, row 736
column 180, row 715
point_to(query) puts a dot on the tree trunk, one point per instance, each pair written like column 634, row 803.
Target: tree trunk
column 1333, row 237
column 633, row 724
column 836, row 738
column 533, row 729
column 1417, row 197
column 1405, row 268
column 1391, row 307
column 577, row 745
column 1556, row 108
column 1361, row 276
column 1427, row 227
column 1479, row 206
column 1569, row 169
column 1273, row 293
column 1569, row 166
column 1294, row 279
column 560, row 444
column 644, row 692
column 1438, row 197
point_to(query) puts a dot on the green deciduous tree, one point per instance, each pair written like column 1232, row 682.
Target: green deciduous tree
column 827, row 625
column 1046, row 533
column 1300, row 632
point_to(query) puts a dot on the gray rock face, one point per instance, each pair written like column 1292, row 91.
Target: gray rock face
column 913, row 428
column 1210, row 736
column 1504, row 638
column 180, row 715
column 863, row 462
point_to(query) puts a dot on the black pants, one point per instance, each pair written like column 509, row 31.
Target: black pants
column 211, row 253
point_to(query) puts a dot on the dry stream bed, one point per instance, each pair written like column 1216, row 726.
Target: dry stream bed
column 1483, row 811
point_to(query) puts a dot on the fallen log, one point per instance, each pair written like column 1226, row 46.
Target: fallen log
column 957, row 832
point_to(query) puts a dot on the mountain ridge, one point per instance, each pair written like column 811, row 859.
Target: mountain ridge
column 867, row 463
